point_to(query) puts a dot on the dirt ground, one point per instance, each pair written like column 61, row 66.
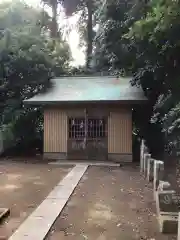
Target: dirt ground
column 23, row 186
column 109, row 204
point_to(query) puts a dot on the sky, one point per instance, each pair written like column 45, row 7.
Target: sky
column 73, row 37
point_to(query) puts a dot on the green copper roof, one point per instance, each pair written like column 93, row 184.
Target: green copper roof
column 79, row 89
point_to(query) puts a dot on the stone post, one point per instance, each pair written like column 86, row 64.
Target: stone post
column 167, row 211
column 158, row 173
column 142, row 155
column 178, row 237
column 167, row 206
column 150, row 169
column 146, row 158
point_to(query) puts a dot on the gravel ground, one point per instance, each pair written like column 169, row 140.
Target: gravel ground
column 109, row 204
column 23, row 186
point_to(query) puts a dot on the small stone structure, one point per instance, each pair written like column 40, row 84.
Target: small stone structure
column 167, row 201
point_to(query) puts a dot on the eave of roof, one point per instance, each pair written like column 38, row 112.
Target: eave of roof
column 89, row 89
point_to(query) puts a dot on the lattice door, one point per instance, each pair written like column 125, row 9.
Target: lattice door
column 87, row 138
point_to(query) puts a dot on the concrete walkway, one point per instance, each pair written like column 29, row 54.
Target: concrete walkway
column 38, row 224
column 89, row 163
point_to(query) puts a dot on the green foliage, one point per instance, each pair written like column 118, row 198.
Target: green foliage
column 19, row 17
column 27, row 62
column 70, row 8
column 86, row 10
column 111, row 49
column 156, row 39
column 142, row 38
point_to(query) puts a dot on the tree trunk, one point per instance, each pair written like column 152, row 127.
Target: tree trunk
column 89, row 33
column 54, row 27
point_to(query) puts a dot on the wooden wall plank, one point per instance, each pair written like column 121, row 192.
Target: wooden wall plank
column 120, row 131
column 55, row 130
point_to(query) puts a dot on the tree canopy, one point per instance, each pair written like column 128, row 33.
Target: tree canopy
column 20, row 17
column 86, row 9
column 29, row 58
column 142, row 39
